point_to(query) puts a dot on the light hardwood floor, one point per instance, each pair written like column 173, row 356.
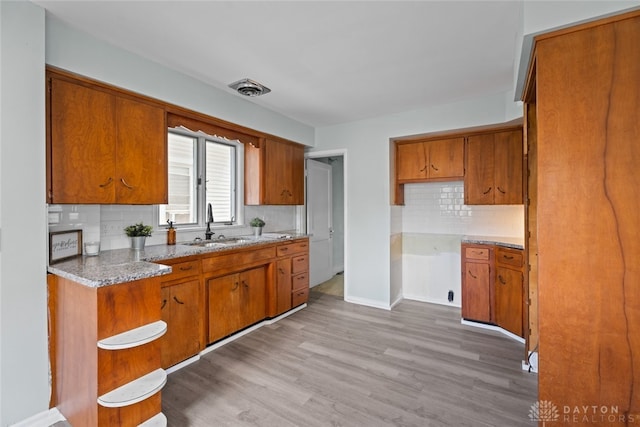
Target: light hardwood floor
column 340, row 364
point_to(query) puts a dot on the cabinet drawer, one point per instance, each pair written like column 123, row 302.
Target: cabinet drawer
column 182, row 269
column 299, row 264
column 237, row 259
column 509, row 257
column 293, row 248
column 299, row 297
column 299, row 281
column 477, row 253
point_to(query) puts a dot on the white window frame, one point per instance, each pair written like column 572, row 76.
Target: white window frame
column 201, row 204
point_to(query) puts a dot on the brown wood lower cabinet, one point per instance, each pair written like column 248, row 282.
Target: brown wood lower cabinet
column 477, row 283
column 493, row 286
column 181, row 310
column 508, row 287
column 236, row 301
column 292, row 277
column 99, row 379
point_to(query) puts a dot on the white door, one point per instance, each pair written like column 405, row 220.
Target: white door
column 319, row 222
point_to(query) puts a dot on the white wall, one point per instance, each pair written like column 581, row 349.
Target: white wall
column 24, row 388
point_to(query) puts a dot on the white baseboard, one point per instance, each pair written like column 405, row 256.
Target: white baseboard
column 42, row 419
column 367, row 302
column 493, row 328
column 431, row 301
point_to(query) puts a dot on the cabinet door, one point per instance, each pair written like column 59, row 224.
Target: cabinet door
column 476, row 292
column 411, row 161
column 479, row 170
column 253, row 284
column 283, row 285
column 446, row 158
column 225, row 304
column 82, row 144
column 509, row 299
column 508, row 168
column 283, row 173
column 183, row 325
column 141, row 154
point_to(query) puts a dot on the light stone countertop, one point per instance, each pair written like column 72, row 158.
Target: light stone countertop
column 507, row 242
column 126, row 265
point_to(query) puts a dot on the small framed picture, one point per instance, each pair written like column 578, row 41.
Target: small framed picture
column 64, row 244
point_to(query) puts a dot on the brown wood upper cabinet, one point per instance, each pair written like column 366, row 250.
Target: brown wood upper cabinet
column 104, row 148
column 493, row 168
column 422, row 161
column 274, row 173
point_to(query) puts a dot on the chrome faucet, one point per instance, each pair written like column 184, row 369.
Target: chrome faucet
column 209, row 233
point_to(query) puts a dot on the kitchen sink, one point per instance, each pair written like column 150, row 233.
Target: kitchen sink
column 216, row 243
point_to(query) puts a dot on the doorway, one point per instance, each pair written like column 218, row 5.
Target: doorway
column 326, row 207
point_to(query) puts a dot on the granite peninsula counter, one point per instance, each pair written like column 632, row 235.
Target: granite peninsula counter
column 126, row 265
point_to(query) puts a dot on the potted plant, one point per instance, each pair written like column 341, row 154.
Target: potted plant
column 257, row 224
column 138, row 233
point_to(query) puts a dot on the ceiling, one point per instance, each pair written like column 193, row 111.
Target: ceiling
column 326, row 62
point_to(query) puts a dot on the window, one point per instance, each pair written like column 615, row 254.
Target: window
column 202, row 170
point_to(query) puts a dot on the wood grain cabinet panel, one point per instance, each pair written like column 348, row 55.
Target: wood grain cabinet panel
column 183, row 312
column 274, row 173
column 104, row 148
column 430, row 160
column 508, row 306
column 292, row 277
column 493, row 286
column 493, row 168
column 476, row 291
column 585, row 89
column 82, row 371
column 236, row 301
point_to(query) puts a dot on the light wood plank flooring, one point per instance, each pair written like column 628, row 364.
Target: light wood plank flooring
column 340, row 364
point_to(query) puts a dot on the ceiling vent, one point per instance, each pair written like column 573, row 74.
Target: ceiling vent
column 248, row 87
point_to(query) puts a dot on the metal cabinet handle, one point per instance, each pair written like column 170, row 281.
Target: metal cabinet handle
column 501, row 190
column 487, row 192
column 186, row 268
column 164, row 302
column 125, row 184
column 471, row 274
column 109, row 181
column 177, row 300
column 245, row 284
column 235, row 286
column 434, row 168
column 281, row 271
column 507, row 256
column 501, row 279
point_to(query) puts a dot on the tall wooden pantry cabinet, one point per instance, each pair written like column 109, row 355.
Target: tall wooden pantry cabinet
column 582, row 103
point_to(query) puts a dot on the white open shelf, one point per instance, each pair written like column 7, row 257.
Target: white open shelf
column 157, row 421
column 134, row 337
column 135, row 391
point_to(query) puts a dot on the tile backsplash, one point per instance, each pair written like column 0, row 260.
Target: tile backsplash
column 439, row 208
column 106, row 223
